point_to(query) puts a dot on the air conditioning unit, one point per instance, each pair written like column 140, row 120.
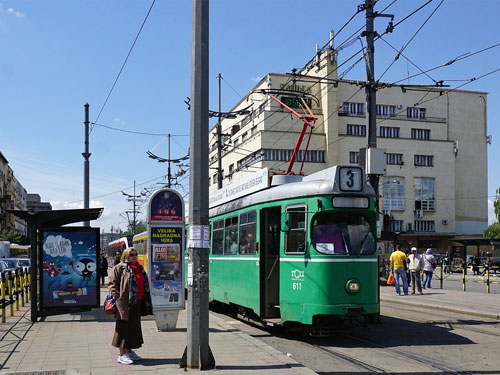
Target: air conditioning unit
column 444, row 222
column 409, row 227
column 419, row 213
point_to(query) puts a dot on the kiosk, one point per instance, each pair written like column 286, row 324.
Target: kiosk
column 165, row 245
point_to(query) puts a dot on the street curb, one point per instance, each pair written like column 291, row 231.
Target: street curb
column 441, row 308
column 295, row 366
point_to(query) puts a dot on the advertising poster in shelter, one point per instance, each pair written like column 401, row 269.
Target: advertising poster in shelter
column 68, row 268
column 166, row 266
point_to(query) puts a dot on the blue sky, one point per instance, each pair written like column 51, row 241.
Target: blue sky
column 59, row 54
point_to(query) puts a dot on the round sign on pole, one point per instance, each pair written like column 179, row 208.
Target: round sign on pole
column 165, row 244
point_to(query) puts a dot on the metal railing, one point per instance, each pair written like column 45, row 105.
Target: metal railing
column 15, row 290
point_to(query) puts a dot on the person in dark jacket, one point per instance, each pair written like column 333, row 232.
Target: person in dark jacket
column 128, row 283
column 103, row 268
column 118, row 257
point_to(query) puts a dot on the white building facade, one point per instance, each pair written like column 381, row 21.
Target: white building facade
column 435, row 186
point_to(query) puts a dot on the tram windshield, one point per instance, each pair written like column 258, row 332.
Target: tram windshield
column 342, row 234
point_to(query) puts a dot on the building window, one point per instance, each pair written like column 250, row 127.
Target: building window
column 389, row 132
column 424, row 226
column 424, row 161
column 231, row 168
column 394, row 193
column 415, row 113
column 246, row 120
column 353, row 109
column 236, row 142
column 396, row 225
column 420, row 133
column 244, row 136
column 424, row 194
column 386, row 110
column 312, row 156
column 394, row 159
column 359, row 130
column 354, row 157
column 253, row 130
column 214, row 179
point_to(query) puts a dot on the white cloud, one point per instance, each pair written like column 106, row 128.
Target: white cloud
column 256, row 79
column 11, row 11
column 491, row 213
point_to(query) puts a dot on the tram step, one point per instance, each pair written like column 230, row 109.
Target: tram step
column 276, row 306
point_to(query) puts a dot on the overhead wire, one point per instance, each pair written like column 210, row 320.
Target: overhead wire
column 140, row 133
column 123, row 65
column 409, row 41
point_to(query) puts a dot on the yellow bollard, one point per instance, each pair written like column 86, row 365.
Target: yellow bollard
column 21, row 286
column 463, row 279
column 488, row 280
column 29, row 283
column 11, row 295
column 2, row 295
column 16, row 290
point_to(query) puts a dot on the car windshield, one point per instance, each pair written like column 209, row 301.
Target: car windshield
column 342, row 234
column 11, row 263
column 24, row 262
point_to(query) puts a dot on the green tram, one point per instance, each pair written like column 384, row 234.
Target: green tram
column 297, row 250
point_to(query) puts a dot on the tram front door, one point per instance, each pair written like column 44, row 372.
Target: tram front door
column 270, row 220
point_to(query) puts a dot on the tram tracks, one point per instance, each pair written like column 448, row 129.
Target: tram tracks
column 446, row 323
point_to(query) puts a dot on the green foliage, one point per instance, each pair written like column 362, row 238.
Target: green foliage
column 493, row 231
column 10, row 236
column 496, row 204
column 140, row 226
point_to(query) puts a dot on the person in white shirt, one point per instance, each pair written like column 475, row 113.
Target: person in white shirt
column 415, row 265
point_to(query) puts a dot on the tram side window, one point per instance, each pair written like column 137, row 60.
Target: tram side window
column 231, row 236
column 296, row 236
column 248, row 232
column 218, row 237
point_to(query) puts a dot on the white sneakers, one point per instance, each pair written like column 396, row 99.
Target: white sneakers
column 125, row 359
column 134, row 356
column 128, row 358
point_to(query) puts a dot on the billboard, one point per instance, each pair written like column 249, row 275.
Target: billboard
column 68, row 268
column 166, row 266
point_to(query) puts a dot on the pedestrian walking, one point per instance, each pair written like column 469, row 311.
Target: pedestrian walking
column 415, row 265
column 118, row 257
column 129, row 286
column 446, row 263
column 103, row 268
column 429, row 265
column 398, row 261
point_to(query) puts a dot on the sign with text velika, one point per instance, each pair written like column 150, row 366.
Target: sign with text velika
column 165, row 249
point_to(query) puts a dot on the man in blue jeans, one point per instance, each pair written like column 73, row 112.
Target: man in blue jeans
column 398, row 260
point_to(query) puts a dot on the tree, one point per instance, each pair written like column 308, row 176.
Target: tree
column 493, row 231
column 10, row 236
column 140, row 226
column 496, row 204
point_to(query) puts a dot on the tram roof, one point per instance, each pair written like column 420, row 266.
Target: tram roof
column 288, row 187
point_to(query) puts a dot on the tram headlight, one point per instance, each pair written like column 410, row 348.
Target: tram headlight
column 352, row 286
